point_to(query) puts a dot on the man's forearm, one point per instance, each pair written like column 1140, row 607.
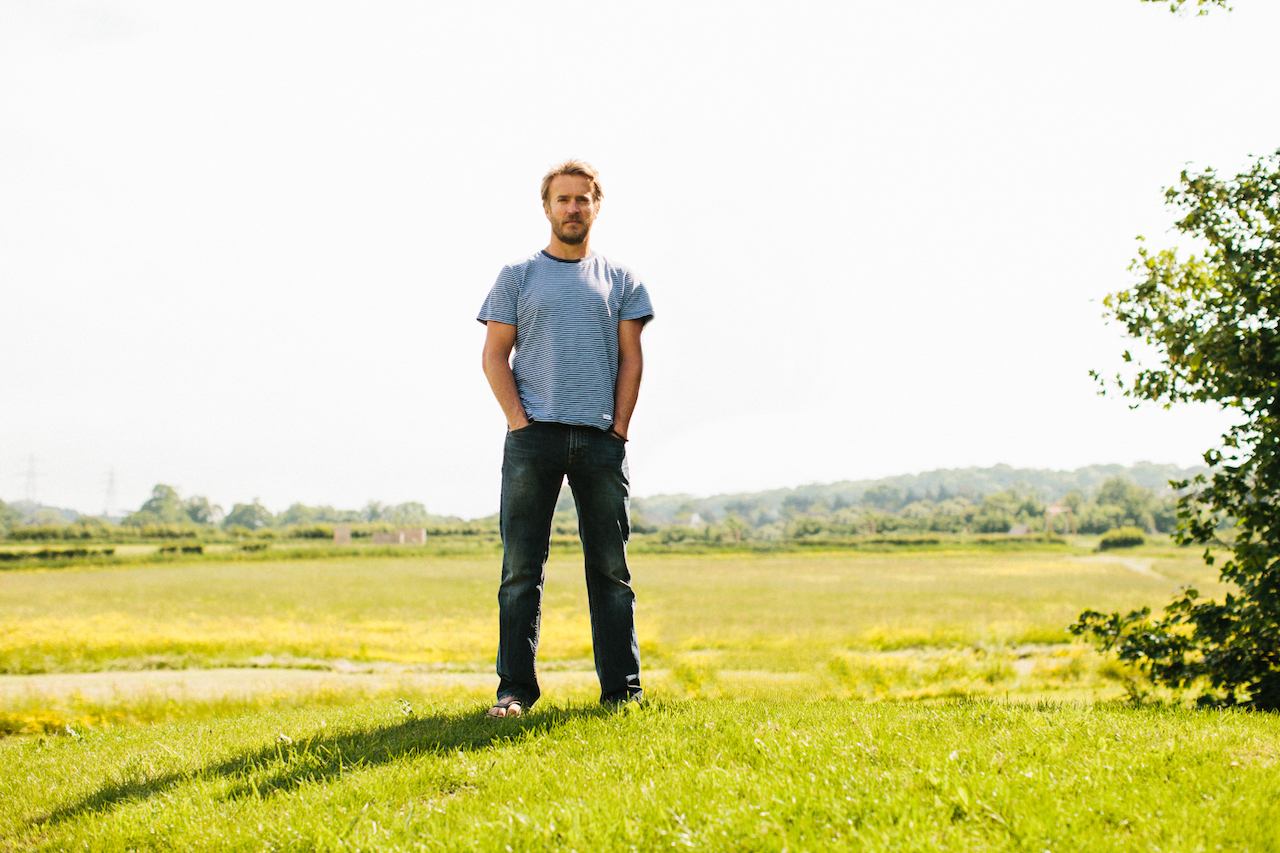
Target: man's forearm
column 503, row 384
column 627, row 391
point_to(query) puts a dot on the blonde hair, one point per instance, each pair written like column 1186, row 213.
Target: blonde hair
column 572, row 167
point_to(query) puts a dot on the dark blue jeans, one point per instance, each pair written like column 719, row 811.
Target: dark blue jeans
column 535, row 461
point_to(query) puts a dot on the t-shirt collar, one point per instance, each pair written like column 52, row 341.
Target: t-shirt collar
column 567, row 261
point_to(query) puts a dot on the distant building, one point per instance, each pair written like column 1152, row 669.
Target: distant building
column 1068, row 521
column 410, row 536
column 1019, row 530
column 342, row 534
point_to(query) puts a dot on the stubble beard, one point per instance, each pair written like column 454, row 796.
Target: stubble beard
column 571, row 239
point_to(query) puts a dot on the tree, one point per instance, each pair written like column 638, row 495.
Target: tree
column 1175, row 5
column 299, row 514
column 999, row 511
column 47, row 516
column 166, row 506
column 1072, row 499
column 753, row 511
column 9, row 518
column 802, row 504
column 1134, row 502
column 884, row 496
column 1213, row 319
column 406, row 513
column 734, row 528
column 163, row 507
column 201, row 511
column 252, row 516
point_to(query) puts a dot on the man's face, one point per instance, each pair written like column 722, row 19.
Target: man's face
column 570, row 209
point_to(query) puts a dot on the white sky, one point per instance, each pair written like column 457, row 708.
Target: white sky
column 242, row 244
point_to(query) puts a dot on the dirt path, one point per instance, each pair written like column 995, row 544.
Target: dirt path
column 1142, row 567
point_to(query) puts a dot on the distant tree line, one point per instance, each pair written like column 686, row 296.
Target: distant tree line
column 977, row 501
column 21, row 513
column 168, row 515
column 887, row 508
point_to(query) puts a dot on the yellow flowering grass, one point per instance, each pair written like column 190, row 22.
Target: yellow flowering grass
column 769, row 612
column 122, row 641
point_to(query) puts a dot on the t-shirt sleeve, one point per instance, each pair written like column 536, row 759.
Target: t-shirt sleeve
column 500, row 304
column 635, row 301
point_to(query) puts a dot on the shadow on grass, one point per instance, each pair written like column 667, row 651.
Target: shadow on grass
column 281, row 767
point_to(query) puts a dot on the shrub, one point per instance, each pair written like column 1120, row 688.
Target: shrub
column 84, row 528
column 639, row 524
column 806, row 526
column 38, row 533
column 167, row 531
column 310, row 531
column 1122, row 537
column 674, row 533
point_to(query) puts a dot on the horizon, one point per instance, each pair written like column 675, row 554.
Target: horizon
column 123, row 512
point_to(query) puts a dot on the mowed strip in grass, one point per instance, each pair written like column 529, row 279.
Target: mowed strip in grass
column 694, row 774
column 772, row 612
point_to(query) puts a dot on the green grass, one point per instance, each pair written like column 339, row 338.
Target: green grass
column 799, row 701
column 675, row 775
column 167, row 553
column 779, row 612
column 41, row 713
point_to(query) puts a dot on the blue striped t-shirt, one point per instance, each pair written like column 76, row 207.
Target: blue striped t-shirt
column 566, row 315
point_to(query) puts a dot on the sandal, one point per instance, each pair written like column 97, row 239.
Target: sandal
column 507, row 706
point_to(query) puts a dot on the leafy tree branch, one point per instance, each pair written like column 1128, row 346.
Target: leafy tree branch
column 1176, row 5
column 1213, row 318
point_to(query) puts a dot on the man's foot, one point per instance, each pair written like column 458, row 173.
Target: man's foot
column 507, row 706
column 633, row 700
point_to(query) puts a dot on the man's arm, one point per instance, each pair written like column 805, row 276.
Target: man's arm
column 630, row 366
column 499, row 338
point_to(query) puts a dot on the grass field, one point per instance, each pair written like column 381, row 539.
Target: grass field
column 798, row 701
column 779, row 612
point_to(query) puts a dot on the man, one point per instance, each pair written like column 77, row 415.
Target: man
column 574, row 320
